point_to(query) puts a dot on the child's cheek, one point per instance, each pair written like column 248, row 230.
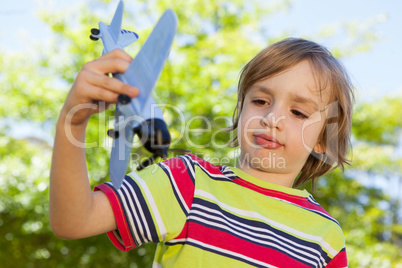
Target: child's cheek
column 240, row 131
column 309, row 134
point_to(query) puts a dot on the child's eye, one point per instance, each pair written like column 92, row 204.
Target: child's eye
column 299, row 114
column 260, row 102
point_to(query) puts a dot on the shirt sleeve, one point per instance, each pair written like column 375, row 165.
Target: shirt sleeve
column 151, row 205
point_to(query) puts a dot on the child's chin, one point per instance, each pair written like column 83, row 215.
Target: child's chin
column 271, row 163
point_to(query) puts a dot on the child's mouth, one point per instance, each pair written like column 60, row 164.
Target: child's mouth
column 267, row 141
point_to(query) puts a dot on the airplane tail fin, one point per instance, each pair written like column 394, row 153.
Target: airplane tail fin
column 122, row 37
column 127, row 37
column 115, row 25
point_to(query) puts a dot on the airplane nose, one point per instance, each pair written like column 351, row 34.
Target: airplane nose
column 155, row 136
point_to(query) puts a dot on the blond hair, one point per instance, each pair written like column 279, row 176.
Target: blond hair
column 335, row 135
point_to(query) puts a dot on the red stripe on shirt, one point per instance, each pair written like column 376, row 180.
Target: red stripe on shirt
column 183, row 233
column 339, row 261
column 234, row 244
column 297, row 200
column 215, row 170
column 182, row 178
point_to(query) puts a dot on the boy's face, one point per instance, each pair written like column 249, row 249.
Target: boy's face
column 280, row 123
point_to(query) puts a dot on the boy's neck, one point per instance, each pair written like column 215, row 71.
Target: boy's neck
column 283, row 179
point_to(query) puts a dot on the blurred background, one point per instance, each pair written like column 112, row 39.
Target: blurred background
column 44, row 45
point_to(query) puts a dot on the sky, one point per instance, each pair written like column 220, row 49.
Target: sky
column 374, row 73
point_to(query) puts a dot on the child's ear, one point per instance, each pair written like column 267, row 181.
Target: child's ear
column 319, row 148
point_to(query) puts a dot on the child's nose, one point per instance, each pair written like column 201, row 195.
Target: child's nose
column 273, row 120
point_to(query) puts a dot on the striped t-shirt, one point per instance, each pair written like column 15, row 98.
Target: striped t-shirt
column 202, row 215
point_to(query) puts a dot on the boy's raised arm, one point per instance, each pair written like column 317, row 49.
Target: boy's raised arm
column 75, row 211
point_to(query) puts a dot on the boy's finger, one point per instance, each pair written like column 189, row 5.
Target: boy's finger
column 107, row 65
column 117, row 53
column 120, row 55
column 110, row 84
column 98, row 94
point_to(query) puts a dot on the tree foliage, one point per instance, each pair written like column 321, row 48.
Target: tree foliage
column 215, row 39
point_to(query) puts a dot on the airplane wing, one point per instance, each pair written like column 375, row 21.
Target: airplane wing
column 120, row 155
column 145, row 69
column 143, row 72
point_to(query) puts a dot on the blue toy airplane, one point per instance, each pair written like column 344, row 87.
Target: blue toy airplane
column 138, row 115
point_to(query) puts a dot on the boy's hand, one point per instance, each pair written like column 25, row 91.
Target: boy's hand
column 75, row 211
column 93, row 85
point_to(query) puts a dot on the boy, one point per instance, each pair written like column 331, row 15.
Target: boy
column 294, row 107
